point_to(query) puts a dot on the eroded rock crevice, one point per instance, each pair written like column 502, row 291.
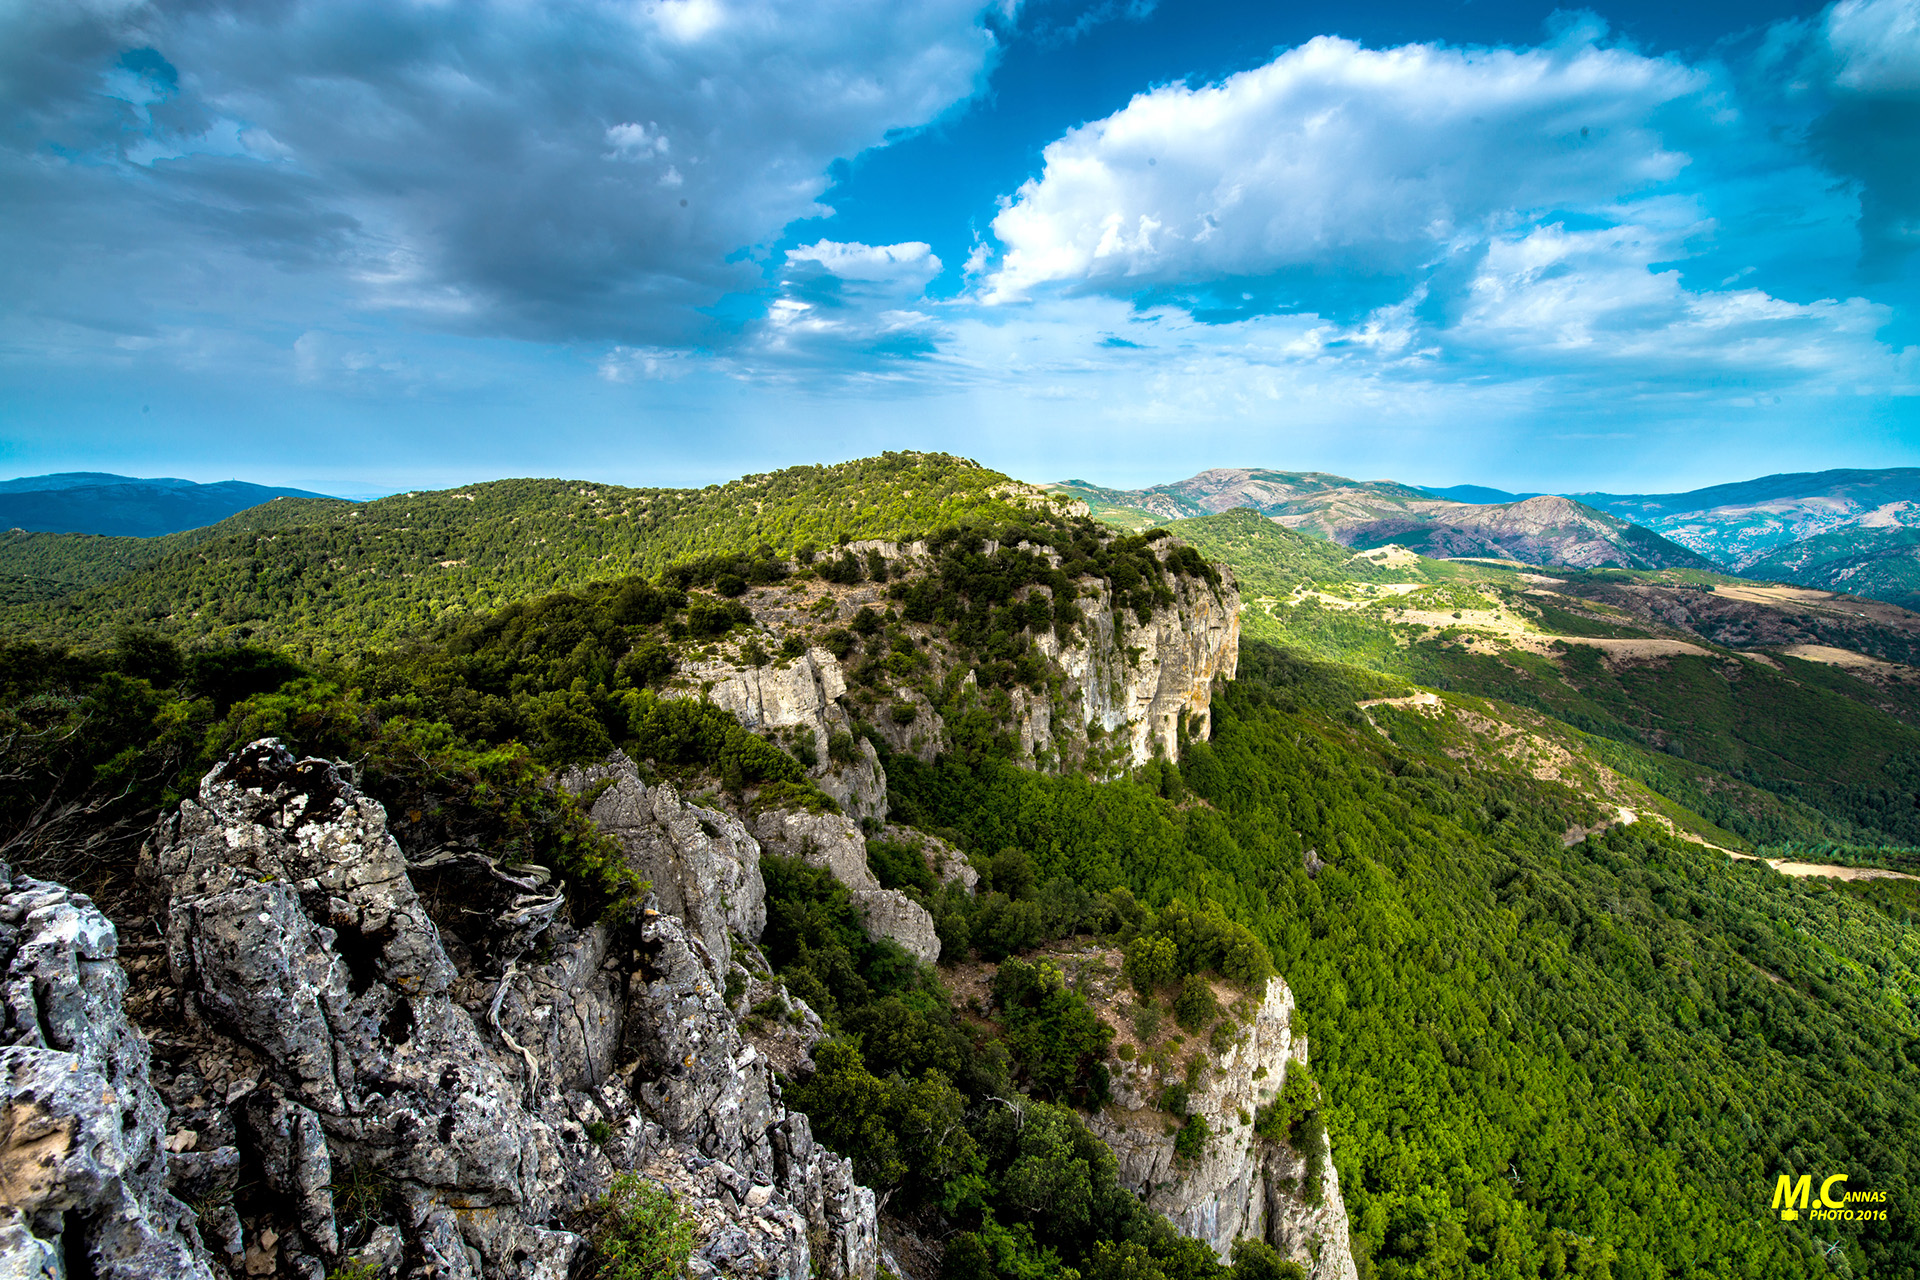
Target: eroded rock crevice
column 332, row 1079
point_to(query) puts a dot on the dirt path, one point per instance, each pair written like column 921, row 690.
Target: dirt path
column 1822, row 869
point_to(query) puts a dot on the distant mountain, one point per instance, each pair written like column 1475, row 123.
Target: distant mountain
column 1742, row 525
column 1881, row 563
column 126, row 506
column 61, row 480
column 1477, row 493
column 1542, row 529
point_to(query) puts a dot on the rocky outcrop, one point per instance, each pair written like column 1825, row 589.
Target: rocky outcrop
column 1130, row 685
column 799, row 696
column 83, row 1134
column 704, row 867
column 1241, row 1184
column 337, row 1077
column 948, row 864
column 834, row 843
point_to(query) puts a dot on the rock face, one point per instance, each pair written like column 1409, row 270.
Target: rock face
column 334, row 1080
column 835, row 844
column 1136, row 681
column 802, row 696
column 1241, row 1184
column 1121, row 689
column 704, row 866
column 83, row 1161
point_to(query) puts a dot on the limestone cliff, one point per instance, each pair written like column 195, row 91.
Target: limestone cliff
column 1114, row 691
column 338, row 1075
column 1137, row 681
column 1240, row 1184
column 83, row 1136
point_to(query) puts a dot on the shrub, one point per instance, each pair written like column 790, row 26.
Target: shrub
column 1192, row 1138
column 638, row 1233
column 898, row 865
column 1152, row 961
column 1258, row 1260
column 1196, row 1006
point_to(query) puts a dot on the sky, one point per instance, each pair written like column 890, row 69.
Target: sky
column 358, row 246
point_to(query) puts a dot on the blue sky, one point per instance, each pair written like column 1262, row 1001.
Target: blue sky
column 409, row 243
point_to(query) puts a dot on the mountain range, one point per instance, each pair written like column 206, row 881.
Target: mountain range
column 1591, row 888
column 126, row 506
column 1852, row 531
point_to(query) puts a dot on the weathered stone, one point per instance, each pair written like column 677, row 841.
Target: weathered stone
column 1240, row 1184
column 834, row 842
column 332, row 974
column 319, row 1005
column 1136, row 680
column 891, row 914
column 827, row 840
column 798, row 696
column 82, row 1131
column 704, row 866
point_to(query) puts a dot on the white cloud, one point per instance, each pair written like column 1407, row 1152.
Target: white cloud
column 912, row 263
column 1590, row 303
column 1337, row 157
column 1878, row 44
column 544, row 169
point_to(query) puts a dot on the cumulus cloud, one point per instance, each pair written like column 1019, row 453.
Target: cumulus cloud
column 845, row 304
column 1877, row 43
column 1871, row 133
column 1594, row 304
column 1338, row 159
column 531, row 169
column 911, row 264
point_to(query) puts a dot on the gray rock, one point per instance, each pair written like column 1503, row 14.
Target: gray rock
column 293, row 929
column 1241, row 1184
column 891, row 914
column 1136, row 681
column 835, row 843
column 704, row 866
column 320, row 1030
column 322, row 1006
column 81, row 1127
column 828, row 840
column 799, row 695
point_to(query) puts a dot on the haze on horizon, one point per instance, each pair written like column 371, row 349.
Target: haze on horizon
column 351, row 244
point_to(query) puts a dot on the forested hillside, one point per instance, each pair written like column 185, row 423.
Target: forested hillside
column 1766, row 743
column 82, row 560
column 344, row 575
column 1547, row 1040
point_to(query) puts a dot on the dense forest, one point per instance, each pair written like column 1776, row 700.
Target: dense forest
column 1535, row 1055
column 381, row 571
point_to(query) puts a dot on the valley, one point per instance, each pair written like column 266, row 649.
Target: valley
column 1213, row 900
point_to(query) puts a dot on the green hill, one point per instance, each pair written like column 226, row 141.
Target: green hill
column 1771, row 746
column 84, row 560
column 1883, row 564
column 1545, row 1048
column 343, row 575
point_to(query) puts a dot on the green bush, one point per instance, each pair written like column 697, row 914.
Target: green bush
column 637, row 1233
column 1191, row 1141
column 1258, row 1260
column 1196, row 1006
column 898, row 865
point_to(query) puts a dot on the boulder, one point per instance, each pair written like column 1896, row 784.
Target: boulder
column 83, row 1157
column 704, row 866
